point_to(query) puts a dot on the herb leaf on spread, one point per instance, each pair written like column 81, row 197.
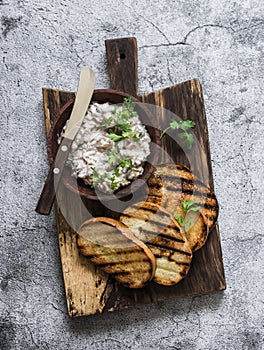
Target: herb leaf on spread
column 122, row 128
column 98, row 158
column 129, row 105
column 98, row 178
column 124, row 134
column 187, row 206
column 124, row 164
column 115, row 183
column 114, row 137
column 185, row 138
column 113, row 157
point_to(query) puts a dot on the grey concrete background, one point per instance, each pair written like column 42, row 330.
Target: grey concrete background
column 44, row 43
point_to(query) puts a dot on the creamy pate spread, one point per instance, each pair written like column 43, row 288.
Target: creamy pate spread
column 110, row 147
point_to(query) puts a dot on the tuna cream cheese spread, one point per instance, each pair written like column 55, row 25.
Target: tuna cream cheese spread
column 111, row 146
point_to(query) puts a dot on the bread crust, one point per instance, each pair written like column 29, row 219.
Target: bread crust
column 128, row 255
column 173, row 183
column 163, row 235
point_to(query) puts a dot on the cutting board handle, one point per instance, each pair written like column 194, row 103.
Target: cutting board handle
column 122, row 61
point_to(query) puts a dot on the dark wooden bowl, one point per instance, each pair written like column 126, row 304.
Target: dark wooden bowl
column 78, row 186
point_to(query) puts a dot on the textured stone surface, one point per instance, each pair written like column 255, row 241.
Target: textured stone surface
column 44, row 43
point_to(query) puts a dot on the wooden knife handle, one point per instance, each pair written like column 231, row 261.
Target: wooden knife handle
column 47, row 196
column 123, row 64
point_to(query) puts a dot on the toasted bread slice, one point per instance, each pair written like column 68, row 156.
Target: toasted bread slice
column 112, row 246
column 197, row 231
column 165, row 238
column 170, row 185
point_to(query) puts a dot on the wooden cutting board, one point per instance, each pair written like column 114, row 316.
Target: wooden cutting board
column 89, row 290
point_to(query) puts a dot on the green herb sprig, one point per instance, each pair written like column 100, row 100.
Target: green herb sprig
column 129, row 104
column 124, row 163
column 124, row 134
column 113, row 158
column 187, row 206
column 186, row 139
column 97, row 179
column 115, row 183
column 122, row 127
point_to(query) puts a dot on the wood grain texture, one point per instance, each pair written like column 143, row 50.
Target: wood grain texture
column 184, row 100
column 100, row 96
column 86, row 287
column 123, row 64
column 88, row 290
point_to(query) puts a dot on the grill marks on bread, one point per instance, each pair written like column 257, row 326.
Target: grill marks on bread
column 111, row 245
column 173, row 183
column 162, row 234
column 198, row 232
column 148, row 242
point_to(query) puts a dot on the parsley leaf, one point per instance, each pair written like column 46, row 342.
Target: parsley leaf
column 127, row 134
column 126, row 162
column 186, row 139
column 179, row 219
column 115, row 137
column 97, row 179
column 187, row 206
column 122, row 127
column 112, row 158
column 174, row 124
column 116, row 171
column 190, row 205
column 129, row 104
column 182, row 125
column 115, row 183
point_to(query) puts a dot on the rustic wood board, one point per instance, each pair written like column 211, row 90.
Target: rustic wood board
column 89, row 290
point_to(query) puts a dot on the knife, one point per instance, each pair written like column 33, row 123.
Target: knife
column 81, row 103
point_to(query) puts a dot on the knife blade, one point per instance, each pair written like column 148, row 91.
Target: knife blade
column 81, row 103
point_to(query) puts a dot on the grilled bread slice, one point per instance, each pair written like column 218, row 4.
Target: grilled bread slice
column 170, row 185
column 165, row 238
column 112, row 246
column 197, row 231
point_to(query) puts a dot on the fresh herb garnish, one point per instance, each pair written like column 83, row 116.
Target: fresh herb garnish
column 186, row 139
column 129, row 105
column 122, row 128
column 187, row 206
column 97, row 179
column 120, row 132
column 118, row 128
column 126, row 163
column 114, row 155
column 113, row 158
column 114, row 137
column 115, row 183
column 130, row 133
column 116, row 171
